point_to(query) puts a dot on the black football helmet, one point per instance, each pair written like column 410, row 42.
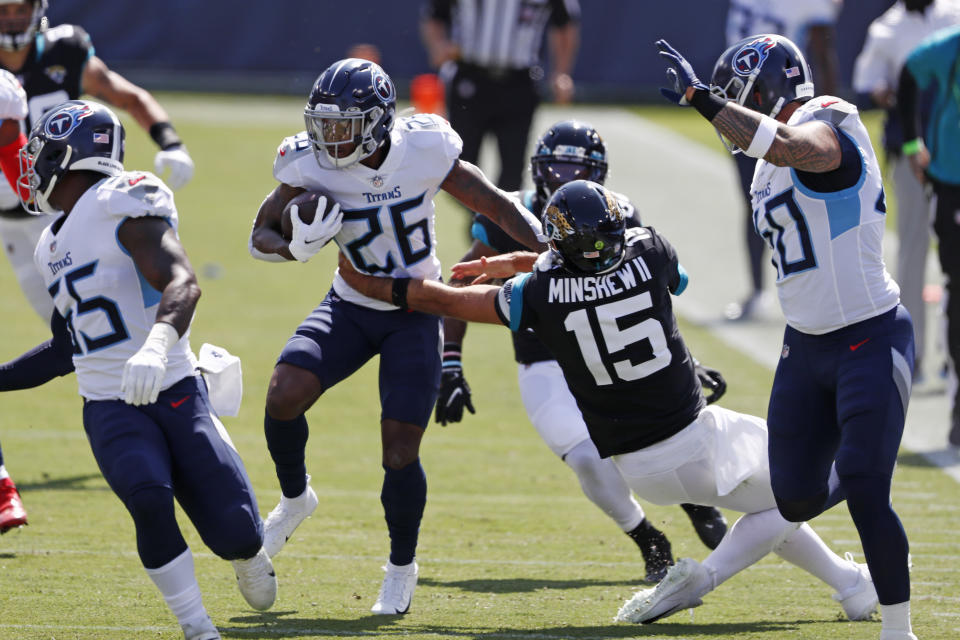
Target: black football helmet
column 585, row 227
column 352, row 102
column 763, row 73
column 74, row 136
column 17, row 34
column 569, row 150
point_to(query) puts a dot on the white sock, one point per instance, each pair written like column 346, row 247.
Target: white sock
column 3, row 472
column 896, row 617
column 805, row 549
column 178, row 584
column 602, row 483
column 750, row 538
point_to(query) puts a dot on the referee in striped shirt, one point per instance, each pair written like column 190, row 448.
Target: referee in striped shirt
column 488, row 54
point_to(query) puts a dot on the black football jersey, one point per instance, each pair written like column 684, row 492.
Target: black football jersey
column 527, row 348
column 617, row 341
column 53, row 72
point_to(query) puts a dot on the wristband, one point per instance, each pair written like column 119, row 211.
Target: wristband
column 707, row 103
column 763, row 138
column 399, row 292
column 912, row 147
column 452, row 355
column 162, row 337
column 165, row 135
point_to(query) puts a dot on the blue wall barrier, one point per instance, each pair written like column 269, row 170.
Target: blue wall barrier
column 281, row 46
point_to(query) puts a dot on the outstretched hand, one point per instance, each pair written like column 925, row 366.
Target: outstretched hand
column 681, row 75
column 490, row 268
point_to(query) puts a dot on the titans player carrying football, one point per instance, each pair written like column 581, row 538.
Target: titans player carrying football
column 600, row 302
column 383, row 172
column 568, row 150
column 124, row 296
column 840, row 393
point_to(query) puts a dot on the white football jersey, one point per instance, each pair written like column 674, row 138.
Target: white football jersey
column 109, row 306
column 827, row 247
column 388, row 213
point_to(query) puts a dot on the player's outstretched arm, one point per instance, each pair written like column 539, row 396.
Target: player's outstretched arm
column 266, row 242
column 43, row 363
column 466, row 183
column 488, row 268
column 475, row 303
column 811, row 146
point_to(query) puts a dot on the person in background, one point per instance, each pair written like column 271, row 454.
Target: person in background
column 934, row 155
column 876, row 73
column 811, row 24
column 488, row 53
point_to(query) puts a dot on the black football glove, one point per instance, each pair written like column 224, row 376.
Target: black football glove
column 454, row 390
column 710, row 379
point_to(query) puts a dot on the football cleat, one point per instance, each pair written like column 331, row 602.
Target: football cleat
column 12, row 513
column 396, row 592
column 682, row 589
column 859, row 600
column 257, row 580
column 657, row 555
column 285, row 518
column 892, row 634
column 708, row 522
column 200, row 630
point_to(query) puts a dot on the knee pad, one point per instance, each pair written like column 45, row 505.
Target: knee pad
column 802, row 510
column 235, row 538
column 151, row 506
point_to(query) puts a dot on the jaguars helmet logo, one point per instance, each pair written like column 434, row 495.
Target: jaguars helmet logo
column 613, row 208
column 558, row 226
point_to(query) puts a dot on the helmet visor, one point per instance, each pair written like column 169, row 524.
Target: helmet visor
column 344, row 137
column 554, row 174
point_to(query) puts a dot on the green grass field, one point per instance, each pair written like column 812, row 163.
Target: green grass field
column 509, row 546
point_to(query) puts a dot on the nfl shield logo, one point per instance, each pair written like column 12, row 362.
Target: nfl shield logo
column 786, row 351
column 53, row 246
column 377, row 181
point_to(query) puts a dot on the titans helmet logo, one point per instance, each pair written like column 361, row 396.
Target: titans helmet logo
column 62, row 123
column 383, row 87
column 752, row 55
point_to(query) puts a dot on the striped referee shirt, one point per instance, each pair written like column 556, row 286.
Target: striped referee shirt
column 501, row 34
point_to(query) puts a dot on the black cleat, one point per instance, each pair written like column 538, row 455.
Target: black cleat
column 708, row 522
column 655, row 548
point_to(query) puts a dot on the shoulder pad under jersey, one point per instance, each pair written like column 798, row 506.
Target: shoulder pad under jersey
column 134, row 194
column 426, row 130
column 291, row 150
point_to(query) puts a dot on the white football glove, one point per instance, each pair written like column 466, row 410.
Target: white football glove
column 13, row 99
column 178, row 161
column 308, row 239
column 143, row 373
column 546, row 261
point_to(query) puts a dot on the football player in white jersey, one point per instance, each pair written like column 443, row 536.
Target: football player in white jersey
column 124, row 295
column 841, row 389
column 383, row 172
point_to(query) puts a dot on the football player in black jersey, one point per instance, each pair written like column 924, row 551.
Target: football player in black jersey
column 600, row 301
column 54, row 65
column 568, row 150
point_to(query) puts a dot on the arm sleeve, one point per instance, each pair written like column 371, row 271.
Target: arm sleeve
column 41, row 364
column 441, row 10
column 564, row 12
column 907, row 100
column 676, row 275
column 510, row 305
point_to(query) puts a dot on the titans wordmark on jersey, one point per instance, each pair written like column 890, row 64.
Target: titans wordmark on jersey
column 108, row 305
column 388, row 212
column 826, row 230
column 616, row 339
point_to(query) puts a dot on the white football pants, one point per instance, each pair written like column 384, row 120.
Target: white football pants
column 554, row 414
column 19, row 237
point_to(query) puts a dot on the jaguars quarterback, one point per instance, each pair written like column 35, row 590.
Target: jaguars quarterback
column 124, row 296
column 568, row 150
column 600, row 302
column 840, row 392
column 383, row 172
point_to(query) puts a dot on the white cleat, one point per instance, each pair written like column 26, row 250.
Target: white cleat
column 285, row 518
column 681, row 589
column 889, row 634
column 200, row 630
column 257, row 580
column 859, row 600
column 396, row 592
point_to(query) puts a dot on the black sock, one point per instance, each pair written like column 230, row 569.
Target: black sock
column 287, row 442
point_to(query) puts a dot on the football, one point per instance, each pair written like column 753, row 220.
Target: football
column 307, row 204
